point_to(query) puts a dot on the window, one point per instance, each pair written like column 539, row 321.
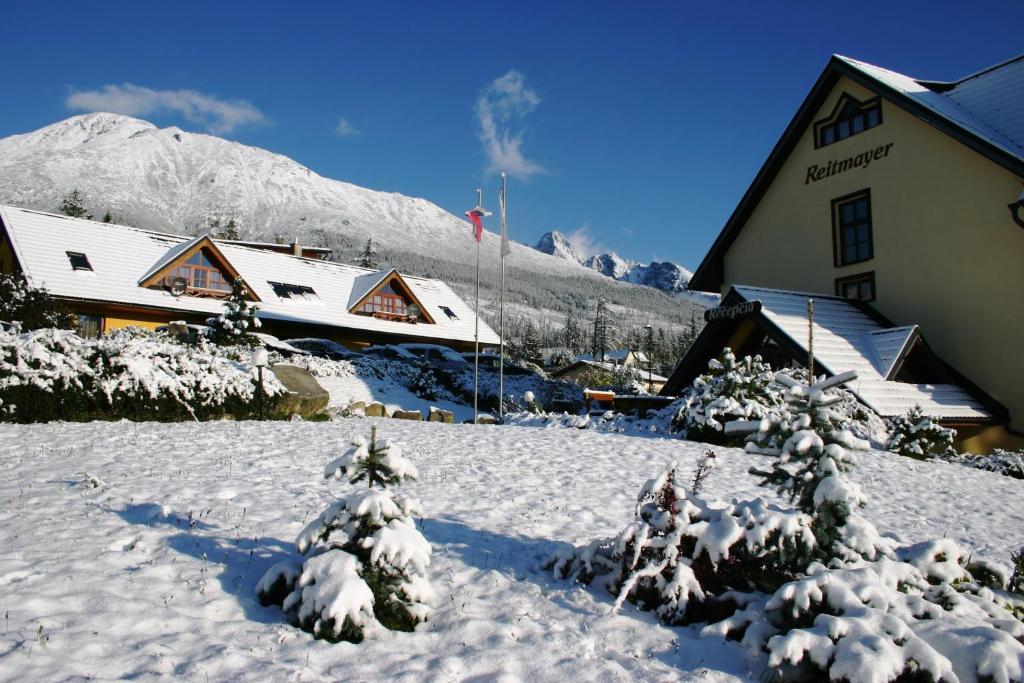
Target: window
column 851, row 228
column 79, row 261
column 449, row 312
column 386, row 301
column 287, row 291
column 89, row 325
column 200, row 273
column 850, row 117
column 859, row 287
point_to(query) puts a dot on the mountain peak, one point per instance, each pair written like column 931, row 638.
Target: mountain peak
column 79, row 131
column 557, row 244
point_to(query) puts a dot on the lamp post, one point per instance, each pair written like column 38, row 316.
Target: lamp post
column 260, row 361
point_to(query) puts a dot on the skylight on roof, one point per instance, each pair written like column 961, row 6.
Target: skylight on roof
column 288, row 291
column 449, row 312
column 79, row 261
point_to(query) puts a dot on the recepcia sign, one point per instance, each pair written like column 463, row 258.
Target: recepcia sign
column 730, row 312
column 837, row 166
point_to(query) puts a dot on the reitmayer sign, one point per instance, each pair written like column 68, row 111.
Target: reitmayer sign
column 730, row 312
column 837, row 166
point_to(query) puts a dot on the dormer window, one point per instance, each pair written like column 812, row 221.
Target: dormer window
column 850, row 116
column 201, row 274
column 78, row 260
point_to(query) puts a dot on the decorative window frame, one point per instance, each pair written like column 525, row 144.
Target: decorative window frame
column 873, row 104
column 837, row 243
column 859, row 278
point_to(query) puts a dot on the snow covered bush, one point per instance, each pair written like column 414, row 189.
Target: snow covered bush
column 32, row 307
column 232, row 327
column 1006, row 463
column 916, row 435
column 54, row 374
column 731, row 390
column 364, row 559
column 814, row 586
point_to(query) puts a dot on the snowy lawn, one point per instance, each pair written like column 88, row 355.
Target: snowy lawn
column 131, row 550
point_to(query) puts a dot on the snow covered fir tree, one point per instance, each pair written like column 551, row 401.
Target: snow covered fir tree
column 814, row 586
column 232, row 327
column 918, row 436
column 363, row 558
column 730, row 390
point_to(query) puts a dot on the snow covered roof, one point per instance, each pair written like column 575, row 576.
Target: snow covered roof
column 846, row 338
column 616, row 355
column 121, row 256
column 989, row 104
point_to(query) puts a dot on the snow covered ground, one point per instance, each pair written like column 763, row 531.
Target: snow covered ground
column 131, row 550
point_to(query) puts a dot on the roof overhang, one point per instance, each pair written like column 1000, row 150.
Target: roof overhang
column 710, row 274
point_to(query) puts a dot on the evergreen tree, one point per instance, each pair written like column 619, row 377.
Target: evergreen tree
column 730, row 390
column 239, row 318
column 918, row 436
column 73, row 204
column 364, row 558
column 231, row 231
column 532, row 346
column 368, row 257
column 32, row 307
column 108, row 218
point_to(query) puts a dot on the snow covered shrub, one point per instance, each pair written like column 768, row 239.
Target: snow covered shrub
column 232, row 327
column 916, row 435
column 1006, row 463
column 730, row 390
column 364, row 558
column 815, row 587
column 57, row 375
column 32, row 307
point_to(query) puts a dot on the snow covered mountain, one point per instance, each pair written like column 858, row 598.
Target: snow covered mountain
column 663, row 275
column 175, row 181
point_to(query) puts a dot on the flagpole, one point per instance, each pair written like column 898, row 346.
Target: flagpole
column 476, row 321
column 501, row 307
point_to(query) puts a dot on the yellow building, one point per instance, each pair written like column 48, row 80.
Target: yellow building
column 903, row 196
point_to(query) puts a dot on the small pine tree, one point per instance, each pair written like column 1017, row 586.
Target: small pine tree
column 365, row 559
column 731, row 390
column 108, row 218
column 1016, row 583
column 239, row 318
column 811, row 469
column 73, row 204
column 368, row 258
column 32, row 307
column 916, row 435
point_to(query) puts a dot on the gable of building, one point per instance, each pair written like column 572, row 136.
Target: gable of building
column 940, row 107
column 200, row 266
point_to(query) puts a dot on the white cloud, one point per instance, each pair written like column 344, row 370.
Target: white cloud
column 500, row 111
column 345, row 129
column 584, row 244
column 219, row 116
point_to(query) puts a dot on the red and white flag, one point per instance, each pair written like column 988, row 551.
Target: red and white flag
column 476, row 218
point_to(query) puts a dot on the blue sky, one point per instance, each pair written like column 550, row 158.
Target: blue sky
column 636, row 126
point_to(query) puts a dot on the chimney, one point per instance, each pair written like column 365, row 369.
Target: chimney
column 296, row 247
column 279, row 238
